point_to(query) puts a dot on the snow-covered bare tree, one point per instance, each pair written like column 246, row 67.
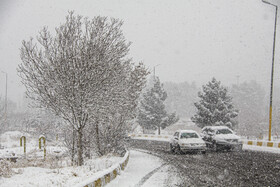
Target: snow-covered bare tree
column 113, row 120
column 41, row 122
column 215, row 106
column 151, row 111
column 76, row 71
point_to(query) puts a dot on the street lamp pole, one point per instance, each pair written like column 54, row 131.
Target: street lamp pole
column 154, row 83
column 272, row 69
column 155, row 71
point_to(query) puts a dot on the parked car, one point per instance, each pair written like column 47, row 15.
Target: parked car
column 187, row 141
column 221, row 138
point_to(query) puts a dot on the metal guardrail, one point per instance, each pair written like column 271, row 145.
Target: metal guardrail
column 107, row 176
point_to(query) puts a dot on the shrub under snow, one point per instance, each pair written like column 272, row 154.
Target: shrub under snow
column 5, row 168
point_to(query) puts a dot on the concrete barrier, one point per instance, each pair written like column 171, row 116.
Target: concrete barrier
column 104, row 177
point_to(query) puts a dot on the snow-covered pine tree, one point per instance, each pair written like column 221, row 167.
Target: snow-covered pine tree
column 215, row 107
column 151, row 111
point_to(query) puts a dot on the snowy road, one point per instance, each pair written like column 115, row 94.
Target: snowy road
column 147, row 171
column 245, row 168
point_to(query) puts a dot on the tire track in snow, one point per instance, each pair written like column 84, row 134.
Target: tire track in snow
column 146, row 177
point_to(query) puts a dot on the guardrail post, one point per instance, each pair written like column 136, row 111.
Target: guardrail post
column 107, row 178
column 97, row 183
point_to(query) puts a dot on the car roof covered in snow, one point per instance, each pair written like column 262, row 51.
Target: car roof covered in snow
column 216, row 127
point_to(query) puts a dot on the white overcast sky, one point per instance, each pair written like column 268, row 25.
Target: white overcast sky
column 187, row 40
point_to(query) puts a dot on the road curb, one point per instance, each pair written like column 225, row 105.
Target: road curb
column 262, row 143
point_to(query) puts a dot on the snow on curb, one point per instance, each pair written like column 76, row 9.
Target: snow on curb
column 262, row 143
column 102, row 178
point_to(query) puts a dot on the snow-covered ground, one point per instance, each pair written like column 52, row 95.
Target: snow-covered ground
column 55, row 171
column 66, row 176
column 11, row 142
column 142, row 168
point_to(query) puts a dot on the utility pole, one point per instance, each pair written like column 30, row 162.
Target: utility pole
column 272, row 69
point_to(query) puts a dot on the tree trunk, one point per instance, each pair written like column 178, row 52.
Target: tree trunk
column 73, row 147
column 97, row 139
column 88, row 147
column 158, row 130
column 80, row 147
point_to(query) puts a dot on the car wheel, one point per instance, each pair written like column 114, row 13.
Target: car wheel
column 178, row 150
column 171, row 148
column 215, row 147
column 238, row 148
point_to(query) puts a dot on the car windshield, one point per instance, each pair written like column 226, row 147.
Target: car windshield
column 223, row 131
column 189, row 135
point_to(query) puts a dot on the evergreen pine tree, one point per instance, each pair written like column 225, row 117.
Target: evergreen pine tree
column 151, row 112
column 215, row 107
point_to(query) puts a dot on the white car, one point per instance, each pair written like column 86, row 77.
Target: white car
column 221, row 138
column 187, row 141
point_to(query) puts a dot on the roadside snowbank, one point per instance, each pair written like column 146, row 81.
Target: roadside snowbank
column 259, row 148
column 66, row 176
